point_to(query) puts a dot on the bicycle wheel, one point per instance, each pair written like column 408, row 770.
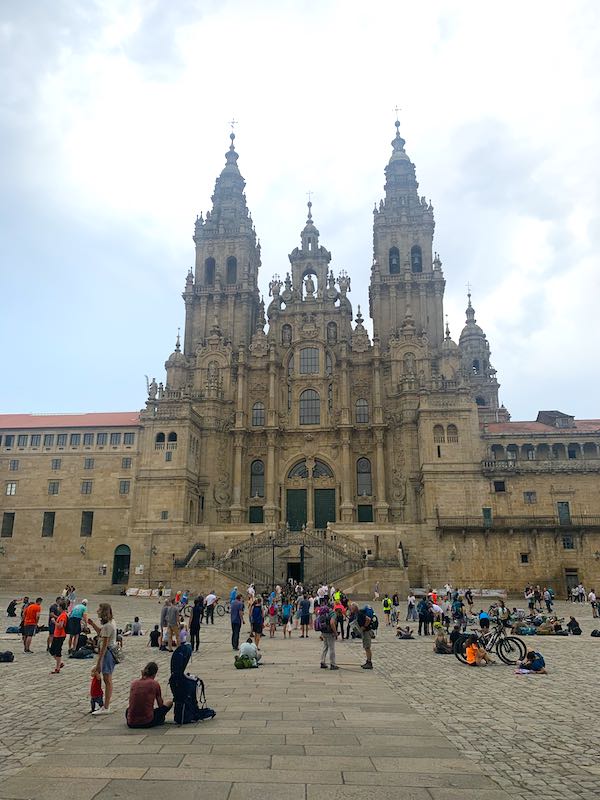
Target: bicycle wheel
column 510, row 650
column 459, row 649
column 220, row 611
column 187, row 611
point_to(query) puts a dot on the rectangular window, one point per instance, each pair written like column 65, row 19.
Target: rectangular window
column 86, row 487
column 9, row 440
column 101, row 439
column 309, row 360
column 365, row 513
column 88, row 439
column 168, row 456
column 88, row 463
column 164, row 515
column 13, row 464
column 115, row 439
column 128, row 438
column 53, row 487
column 48, row 440
column 36, row 439
column 571, row 452
column 87, row 523
column 22, row 439
column 55, row 463
column 48, row 523
column 255, row 514
column 126, row 463
column 499, row 486
column 124, row 487
column 11, row 488
column 568, row 543
column 529, row 498
column 564, row 512
column 8, row 523
column 61, row 440
column 75, row 439
column 524, row 558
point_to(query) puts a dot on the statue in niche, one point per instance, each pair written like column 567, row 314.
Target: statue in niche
column 309, row 286
column 331, row 333
column 286, row 335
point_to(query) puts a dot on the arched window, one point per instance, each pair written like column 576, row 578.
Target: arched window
column 409, row 364
column 209, row 272
column 257, row 479
column 321, row 470
column 416, row 259
column 331, row 333
column 231, row 270
column 258, row 414
column 364, row 483
column 394, row 261
column 452, row 434
column 286, row 335
column 362, row 410
column 160, row 438
column 172, row 437
column 310, row 408
column 299, row 470
column 512, row 452
column 439, row 437
column 475, row 366
column 309, row 360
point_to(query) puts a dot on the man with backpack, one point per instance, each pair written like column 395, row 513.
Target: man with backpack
column 362, row 620
column 387, row 608
column 326, row 625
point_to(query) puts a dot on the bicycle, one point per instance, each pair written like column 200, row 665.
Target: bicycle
column 509, row 649
column 222, row 609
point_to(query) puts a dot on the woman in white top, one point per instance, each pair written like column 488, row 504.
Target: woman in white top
column 107, row 640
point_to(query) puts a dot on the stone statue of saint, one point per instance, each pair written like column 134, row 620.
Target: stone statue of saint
column 152, row 389
column 309, row 286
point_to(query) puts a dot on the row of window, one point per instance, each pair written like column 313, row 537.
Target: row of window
column 416, row 260
column 48, row 521
column 544, row 451
column 364, row 482
column 361, row 411
column 210, row 267
column 10, row 487
column 568, row 543
column 74, row 439
column 56, row 464
column 440, row 436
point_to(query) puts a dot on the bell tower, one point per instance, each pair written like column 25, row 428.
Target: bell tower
column 405, row 276
column 222, row 294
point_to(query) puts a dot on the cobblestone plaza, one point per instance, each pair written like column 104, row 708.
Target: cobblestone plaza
column 418, row 726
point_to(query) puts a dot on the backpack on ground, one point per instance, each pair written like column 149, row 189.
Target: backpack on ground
column 13, row 629
column 7, row 657
column 595, row 632
column 244, row 662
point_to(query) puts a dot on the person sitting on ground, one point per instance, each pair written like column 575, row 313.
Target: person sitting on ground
column 154, row 638
column 249, row 649
column 143, row 693
column 404, row 633
column 136, row 628
column 476, row 656
column 573, row 627
column 455, row 634
column 533, row 664
column 441, row 645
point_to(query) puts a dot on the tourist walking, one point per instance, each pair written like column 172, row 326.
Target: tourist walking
column 411, row 608
column 59, row 636
column 172, row 626
column 195, row 622
column 423, row 612
column 257, row 620
column 304, row 611
column 107, row 642
column 387, row 608
column 287, row 609
column 53, row 613
column 236, row 615
column 210, row 603
column 31, row 618
column 593, row 603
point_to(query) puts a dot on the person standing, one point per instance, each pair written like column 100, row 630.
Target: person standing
column 31, row 618
column 287, row 609
column 257, row 620
column 210, row 603
column 396, row 605
column 304, row 609
column 411, row 608
column 195, row 622
column 164, row 625
column 173, row 626
column 363, row 621
column 59, row 636
column 236, row 615
column 77, row 616
column 53, row 613
column 328, row 630
column 107, row 640
column 423, row 612
column 233, row 594
column 387, row 608
column 592, row 601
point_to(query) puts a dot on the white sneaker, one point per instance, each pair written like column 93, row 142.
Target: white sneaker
column 101, row 711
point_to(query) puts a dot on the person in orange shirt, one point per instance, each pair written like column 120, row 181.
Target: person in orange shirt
column 60, row 634
column 30, row 622
column 476, row 656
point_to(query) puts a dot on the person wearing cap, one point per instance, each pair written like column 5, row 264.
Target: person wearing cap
column 76, row 618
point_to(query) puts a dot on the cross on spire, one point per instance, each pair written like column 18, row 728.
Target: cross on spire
column 233, row 122
column 396, row 110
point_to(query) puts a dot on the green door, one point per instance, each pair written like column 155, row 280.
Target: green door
column 121, row 564
column 324, row 507
column 296, row 509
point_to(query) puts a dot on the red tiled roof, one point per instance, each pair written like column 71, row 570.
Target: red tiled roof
column 93, row 420
column 580, row 426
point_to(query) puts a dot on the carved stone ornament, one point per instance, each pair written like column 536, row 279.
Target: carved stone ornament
column 260, row 344
column 221, row 490
column 258, row 388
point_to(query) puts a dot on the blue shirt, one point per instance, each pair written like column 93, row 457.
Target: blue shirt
column 286, row 611
column 232, row 595
column 79, row 611
column 237, row 608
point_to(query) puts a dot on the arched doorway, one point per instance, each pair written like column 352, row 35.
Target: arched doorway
column 310, row 495
column 121, row 561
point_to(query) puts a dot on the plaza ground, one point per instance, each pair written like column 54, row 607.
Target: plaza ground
column 418, row 726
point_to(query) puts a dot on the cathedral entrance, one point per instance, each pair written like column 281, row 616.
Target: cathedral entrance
column 310, row 495
column 121, row 562
column 294, row 571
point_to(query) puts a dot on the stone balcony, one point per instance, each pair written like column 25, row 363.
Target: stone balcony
column 577, row 522
column 517, row 466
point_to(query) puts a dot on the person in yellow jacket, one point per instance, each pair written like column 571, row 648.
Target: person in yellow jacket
column 387, row 608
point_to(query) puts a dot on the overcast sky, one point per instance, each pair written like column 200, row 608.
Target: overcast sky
column 113, row 128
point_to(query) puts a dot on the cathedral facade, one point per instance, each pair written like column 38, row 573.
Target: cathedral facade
column 286, row 442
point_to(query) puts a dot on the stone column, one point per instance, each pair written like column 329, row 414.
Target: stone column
column 271, row 507
column 238, row 451
column 310, row 497
column 345, row 427
column 381, row 505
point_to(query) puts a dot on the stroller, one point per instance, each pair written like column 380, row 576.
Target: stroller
column 189, row 698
